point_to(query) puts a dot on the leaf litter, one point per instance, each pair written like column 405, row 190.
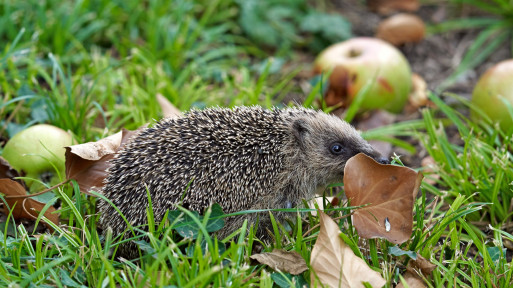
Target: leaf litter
column 22, row 206
column 386, row 194
column 281, row 260
column 87, row 163
column 333, row 262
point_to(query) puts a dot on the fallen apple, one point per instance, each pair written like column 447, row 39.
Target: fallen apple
column 495, row 85
column 401, row 28
column 358, row 61
column 38, row 149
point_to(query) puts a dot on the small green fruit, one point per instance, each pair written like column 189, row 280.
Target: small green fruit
column 37, row 150
column 494, row 84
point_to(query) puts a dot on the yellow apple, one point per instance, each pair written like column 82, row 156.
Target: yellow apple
column 38, row 149
column 495, row 85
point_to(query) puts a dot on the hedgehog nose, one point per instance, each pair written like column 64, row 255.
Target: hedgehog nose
column 383, row 160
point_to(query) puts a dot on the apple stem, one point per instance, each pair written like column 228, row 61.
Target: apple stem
column 354, row 53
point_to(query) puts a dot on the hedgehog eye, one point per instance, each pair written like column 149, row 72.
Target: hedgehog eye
column 336, row 149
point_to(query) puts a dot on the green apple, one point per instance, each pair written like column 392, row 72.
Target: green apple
column 493, row 86
column 38, row 149
column 359, row 61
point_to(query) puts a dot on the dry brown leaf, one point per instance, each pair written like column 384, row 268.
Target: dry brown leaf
column 333, row 98
column 422, row 264
column 386, row 7
column 22, row 206
column 10, row 187
column 335, row 201
column 168, row 110
column 96, row 150
column 87, row 163
column 412, row 280
column 333, row 262
column 6, row 171
column 388, row 191
column 419, row 265
column 281, row 260
column 401, row 28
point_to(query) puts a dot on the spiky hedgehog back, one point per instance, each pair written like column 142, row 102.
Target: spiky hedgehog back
column 245, row 158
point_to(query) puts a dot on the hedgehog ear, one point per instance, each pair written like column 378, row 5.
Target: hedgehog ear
column 300, row 129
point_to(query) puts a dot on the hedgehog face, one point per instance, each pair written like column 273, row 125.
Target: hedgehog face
column 327, row 143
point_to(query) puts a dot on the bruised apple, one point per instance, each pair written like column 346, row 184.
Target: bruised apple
column 358, row 61
column 38, row 149
column 494, row 87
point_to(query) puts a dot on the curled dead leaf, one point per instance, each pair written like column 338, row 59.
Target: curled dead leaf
column 96, row 150
column 23, row 206
column 281, row 260
column 6, row 171
column 386, row 7
column 331, row 98
column 422, row 264
column 412, row 280
column 414, row 271
column 341, row 83
column 335, row 201
column 389, row 194
column 87, row 163
column 168, row 109
column 401, row 29
column 333, row 262
column 11, row 188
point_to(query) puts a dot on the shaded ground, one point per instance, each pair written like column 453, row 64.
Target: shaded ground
column 437, row 55
column 434, row 58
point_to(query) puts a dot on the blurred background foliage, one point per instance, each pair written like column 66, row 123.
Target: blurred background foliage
column 88, row 63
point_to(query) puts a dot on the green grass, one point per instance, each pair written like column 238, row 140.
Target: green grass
column 94, row 67
column 494, row 24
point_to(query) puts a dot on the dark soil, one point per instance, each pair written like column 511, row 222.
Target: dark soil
column 434, row 58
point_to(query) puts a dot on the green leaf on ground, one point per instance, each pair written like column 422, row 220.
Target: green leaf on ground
column 186, row 226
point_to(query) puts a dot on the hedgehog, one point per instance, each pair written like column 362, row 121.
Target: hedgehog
column 243, row 158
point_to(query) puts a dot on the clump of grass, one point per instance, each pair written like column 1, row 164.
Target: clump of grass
column 475, row 180
column 84, row 66
column 481, row 169
column 494, row 26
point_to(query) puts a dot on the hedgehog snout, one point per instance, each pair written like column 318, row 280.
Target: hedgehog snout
column 377, row 157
